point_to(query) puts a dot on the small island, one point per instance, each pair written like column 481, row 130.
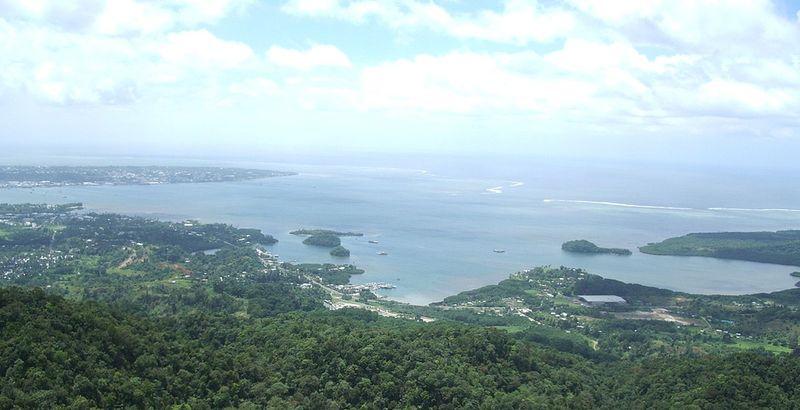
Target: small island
column 323, row 240
column 584, row 246
column 312, row 232
column 340, row 252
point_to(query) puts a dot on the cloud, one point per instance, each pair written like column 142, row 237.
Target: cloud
column 115, row 51
column 120, row 17
column 745, row 99
column 592, row 83
column 208, row 11
column 129, row 16
column 254, row 87
column 620, row 62
column 201, row 49
column 59, row 67
column 470, row 82
column 67, row 68
column 519, row 21
column 657, row 65
column 318, row 55
column 709, row 25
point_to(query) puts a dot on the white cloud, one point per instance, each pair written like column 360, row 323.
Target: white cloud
column 129, row 16
column 202, row 49
column 712, row 25
column 356, row 11
column 121, row 17
column 745, row 99
column 65, row 68
column 653, row 65
column 466, row 82
column 116, row 51
column 657, row 64
column 519, row 21
column 585, row 82
column 207, row 11
column 254, row 87
column 318, row 55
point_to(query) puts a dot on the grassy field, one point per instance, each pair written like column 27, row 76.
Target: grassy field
column 748, row 345
column 126, row 272
column 512, row 328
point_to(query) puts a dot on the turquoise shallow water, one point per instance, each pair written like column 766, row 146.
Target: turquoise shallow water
column 440, row 230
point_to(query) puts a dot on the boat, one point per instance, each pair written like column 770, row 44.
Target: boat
column 382, row 253
column 372, row 241
column 499, row 251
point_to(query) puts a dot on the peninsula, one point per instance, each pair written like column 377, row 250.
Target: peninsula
column 304, row 232
column 58, row 176
column 584, row 246
column 781, row 247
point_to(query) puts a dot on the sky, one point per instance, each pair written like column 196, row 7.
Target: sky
column 693, row 80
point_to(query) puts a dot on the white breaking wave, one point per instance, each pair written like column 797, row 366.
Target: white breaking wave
column 516, row 184
column 755, row 209
column 495, row 190
column 672, row 208
column 575, row 201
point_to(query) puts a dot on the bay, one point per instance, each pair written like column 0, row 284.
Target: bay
column 440, row 226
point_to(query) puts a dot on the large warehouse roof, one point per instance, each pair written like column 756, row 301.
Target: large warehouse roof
column 601, row 299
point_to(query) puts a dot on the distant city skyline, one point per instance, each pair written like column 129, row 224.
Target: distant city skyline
column 697, row 81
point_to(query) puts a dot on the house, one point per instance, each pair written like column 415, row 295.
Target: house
column 600, row 300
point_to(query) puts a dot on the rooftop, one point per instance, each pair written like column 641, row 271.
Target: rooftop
column 601, row 299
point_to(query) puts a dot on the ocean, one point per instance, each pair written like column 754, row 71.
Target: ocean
column 440, row 224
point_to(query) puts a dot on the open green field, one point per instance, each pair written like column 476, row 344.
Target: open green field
column 749, row 345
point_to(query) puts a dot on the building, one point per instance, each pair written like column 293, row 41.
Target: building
column 600, row 300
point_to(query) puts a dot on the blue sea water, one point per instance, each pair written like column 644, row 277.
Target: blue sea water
column 440, row 226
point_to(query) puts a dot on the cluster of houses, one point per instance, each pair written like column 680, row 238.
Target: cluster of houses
column 24, row 264
column 356, row 289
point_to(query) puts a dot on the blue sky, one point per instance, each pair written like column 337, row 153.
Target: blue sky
column 680, row 79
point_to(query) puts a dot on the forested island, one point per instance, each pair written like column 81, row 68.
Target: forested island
column 105, row 310
column 781, row 247
column 327, row 238
column 55, row 176
column 340, row 252
column 324, row 240
column 584, row 246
